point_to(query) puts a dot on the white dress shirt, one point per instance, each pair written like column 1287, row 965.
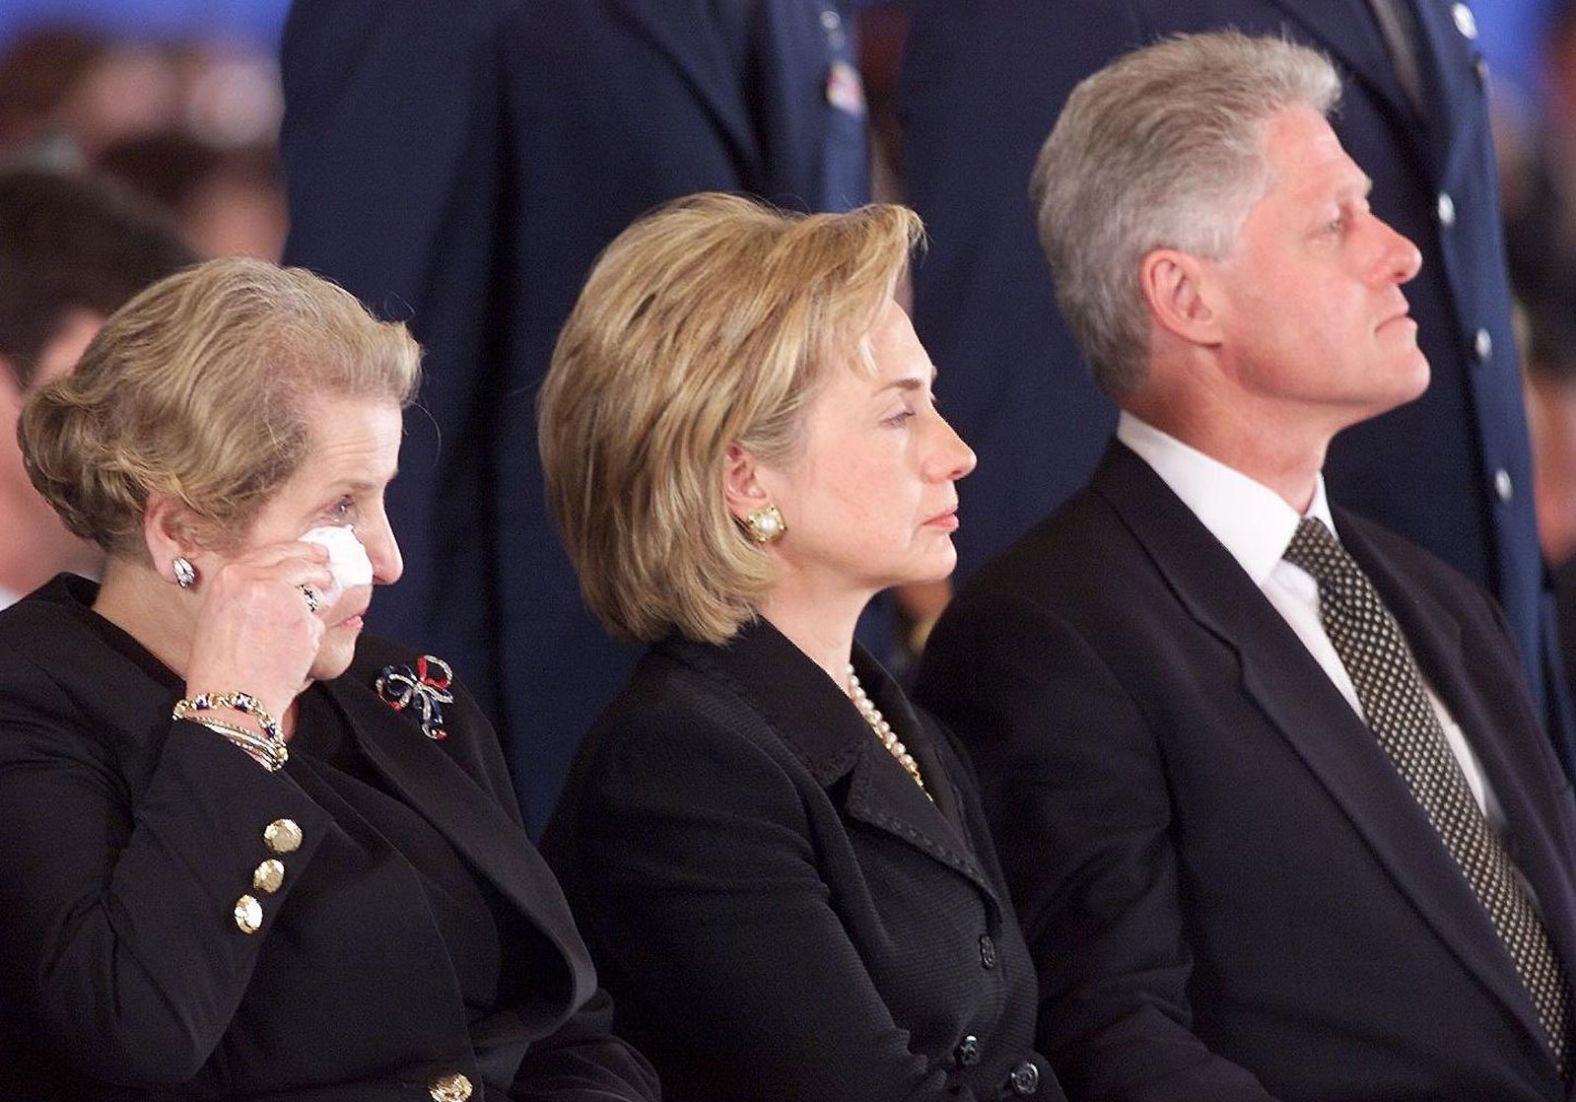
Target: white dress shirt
column 1256, row 524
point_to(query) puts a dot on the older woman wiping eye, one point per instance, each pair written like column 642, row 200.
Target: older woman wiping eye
column 251, row 851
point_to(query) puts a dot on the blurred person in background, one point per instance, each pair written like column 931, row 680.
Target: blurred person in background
column 191, row 124
column 461, row 165
column 230, row 201
column 1551, row 419
column 78, row 90
column 73, row 249
column 1539, row 176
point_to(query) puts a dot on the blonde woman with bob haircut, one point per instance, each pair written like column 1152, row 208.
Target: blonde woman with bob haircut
column 780, row 865
column 250, row 851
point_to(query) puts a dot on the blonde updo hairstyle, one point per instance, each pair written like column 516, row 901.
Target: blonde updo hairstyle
column 705, row 324
column 199, row 389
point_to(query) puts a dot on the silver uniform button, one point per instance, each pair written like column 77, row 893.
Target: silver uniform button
column 830, row 20
column 450, row 1088
column 1482, row 345
column 248, row 914
column 1447, row 210
column 1503, row 486
column 1466, row 22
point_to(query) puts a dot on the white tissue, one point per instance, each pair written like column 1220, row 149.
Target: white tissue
column 347, row 559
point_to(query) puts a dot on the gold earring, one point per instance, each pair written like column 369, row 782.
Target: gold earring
column 766, row 524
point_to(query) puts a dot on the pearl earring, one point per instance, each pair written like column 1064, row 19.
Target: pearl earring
column 766, row 524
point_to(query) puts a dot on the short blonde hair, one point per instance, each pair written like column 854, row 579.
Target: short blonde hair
column 198, row 388
column 705, row 324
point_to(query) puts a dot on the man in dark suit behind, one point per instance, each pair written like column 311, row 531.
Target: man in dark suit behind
column 1271, row 797
column 459, row 164
column 984, row 80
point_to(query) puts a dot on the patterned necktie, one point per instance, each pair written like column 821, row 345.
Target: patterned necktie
column 1390, row 689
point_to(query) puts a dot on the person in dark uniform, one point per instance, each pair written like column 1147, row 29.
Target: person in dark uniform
column 250, row 852
column 985, row 80
column 782, row 867
column 461, row 165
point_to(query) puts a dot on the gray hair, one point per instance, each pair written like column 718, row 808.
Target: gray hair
column 1163, row 148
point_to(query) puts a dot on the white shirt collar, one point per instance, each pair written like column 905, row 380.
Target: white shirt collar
column 1253, row 522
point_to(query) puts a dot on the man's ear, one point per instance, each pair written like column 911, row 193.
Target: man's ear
column 741, row 484
column 171, row 530
column 1177, row 289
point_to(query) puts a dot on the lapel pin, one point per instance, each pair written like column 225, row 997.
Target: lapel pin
column 423, row 689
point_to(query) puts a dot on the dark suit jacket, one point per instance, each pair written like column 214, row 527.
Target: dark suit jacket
column 129, row 838
column 778, row 909
column 984, row 83
column 1229, row 891
column 460, row 164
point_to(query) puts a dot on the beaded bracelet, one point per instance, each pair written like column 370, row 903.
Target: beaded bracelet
column 267, row 749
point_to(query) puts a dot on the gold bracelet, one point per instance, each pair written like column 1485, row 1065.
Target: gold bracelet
column 270, row 744
column 245, row 703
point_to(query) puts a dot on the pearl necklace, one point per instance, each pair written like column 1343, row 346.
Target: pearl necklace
column 883, row 730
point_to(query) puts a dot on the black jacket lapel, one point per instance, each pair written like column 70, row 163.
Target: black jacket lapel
column 1287, row 683
column 821, row 727
column 420, row 770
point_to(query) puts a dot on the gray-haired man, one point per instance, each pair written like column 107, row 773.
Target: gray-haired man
column 1277, row 814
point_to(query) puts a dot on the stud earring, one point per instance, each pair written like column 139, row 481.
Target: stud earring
column 185, row 573
column 766, row 524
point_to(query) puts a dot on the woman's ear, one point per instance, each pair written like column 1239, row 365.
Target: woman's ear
column 741, row 484
column 171, row 531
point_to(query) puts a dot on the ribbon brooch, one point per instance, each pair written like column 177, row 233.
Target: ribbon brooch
column 424, row 690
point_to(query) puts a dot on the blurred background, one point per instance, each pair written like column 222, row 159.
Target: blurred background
column 180, row 100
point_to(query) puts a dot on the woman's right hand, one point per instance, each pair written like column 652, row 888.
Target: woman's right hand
column 255, row 632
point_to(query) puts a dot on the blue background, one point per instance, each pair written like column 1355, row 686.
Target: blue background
column 1509, row 29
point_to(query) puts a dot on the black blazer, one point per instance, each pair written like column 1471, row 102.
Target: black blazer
column 777, row 908
column 129, row 839
column 1229, row 891
column 984, row 82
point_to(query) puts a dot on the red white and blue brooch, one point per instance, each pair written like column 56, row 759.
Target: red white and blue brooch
column 422, row 689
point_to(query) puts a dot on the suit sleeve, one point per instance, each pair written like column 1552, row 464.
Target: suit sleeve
column 1075, row 787
column 699, row 891
column 118, row 931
